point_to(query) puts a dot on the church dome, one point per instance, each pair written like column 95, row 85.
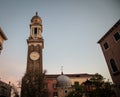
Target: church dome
column 64, row 81
column 36, row 19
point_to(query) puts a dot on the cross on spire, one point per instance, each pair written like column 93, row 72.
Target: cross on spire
column 36, row 13
column 62, row 70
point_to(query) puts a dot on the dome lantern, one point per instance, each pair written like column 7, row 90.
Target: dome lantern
column 36, row 19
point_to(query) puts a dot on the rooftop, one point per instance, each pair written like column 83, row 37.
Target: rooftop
column 110, row 30
column 2, row 34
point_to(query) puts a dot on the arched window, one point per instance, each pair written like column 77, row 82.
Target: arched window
column 35, row 31
column 31, row 47
column 113, row 65
column 38, row 47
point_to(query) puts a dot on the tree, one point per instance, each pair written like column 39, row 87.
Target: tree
column 77, row 92
column 99, row 88
column 33, row 85
column 93, row 87
column 15, row 91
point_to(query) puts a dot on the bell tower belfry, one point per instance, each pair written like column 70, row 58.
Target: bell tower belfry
column 36, row 27
column 35, row 45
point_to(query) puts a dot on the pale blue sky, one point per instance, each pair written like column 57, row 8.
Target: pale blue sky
column 71, row 29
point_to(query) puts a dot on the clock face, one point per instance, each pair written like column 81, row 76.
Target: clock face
column 34, row 56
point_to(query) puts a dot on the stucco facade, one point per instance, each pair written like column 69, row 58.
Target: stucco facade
column 55, row 91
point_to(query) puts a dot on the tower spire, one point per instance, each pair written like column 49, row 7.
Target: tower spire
column 36, row 13
column 61, row 70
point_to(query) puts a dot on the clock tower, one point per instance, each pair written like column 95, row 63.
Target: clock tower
column 31, row 81
column 35, row 45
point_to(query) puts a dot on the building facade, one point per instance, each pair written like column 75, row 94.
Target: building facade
column 5, row 89
column 56, row 91
column 2, row 39
column 110, row 44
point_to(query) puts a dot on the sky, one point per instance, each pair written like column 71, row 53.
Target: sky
column 71, row 30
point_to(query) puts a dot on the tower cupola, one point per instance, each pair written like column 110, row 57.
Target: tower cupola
column 36, row 27
column 36, row 19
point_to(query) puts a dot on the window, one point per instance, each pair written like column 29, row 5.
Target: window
column 65, row 91
column 45, row 85
column 76, row 83
column 113, row 65
column 35, row 31
column 55, row 94
column 106, row 45
column 38, row 47
column 54, row 85
column 117, row 36
column 31, row 47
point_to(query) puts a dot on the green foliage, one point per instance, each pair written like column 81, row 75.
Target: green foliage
column 77, row 92
column 94, row 87
column 74, row 94
column 33, row 85
column 99, row 88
